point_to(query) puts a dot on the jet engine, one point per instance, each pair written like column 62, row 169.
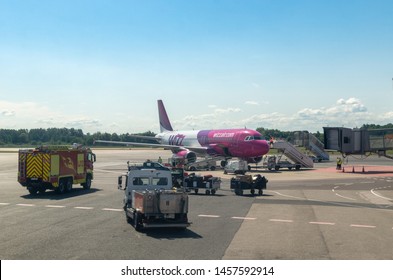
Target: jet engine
column 185, row 155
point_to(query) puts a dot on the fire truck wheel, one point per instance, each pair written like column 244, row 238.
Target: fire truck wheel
column 42, row 190
column 68, row 186
column 87, row 184
column 61, row 188
column 32, row 191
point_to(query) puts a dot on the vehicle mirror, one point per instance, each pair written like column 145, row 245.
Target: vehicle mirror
column 120, row 182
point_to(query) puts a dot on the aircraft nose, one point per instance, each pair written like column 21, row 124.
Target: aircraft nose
column 264, row 147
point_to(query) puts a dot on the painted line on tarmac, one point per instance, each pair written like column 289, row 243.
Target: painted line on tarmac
column 322, row 223
column 112, row 209
column 244, row 218
column 55, row 206
column 362, row 226
column 285, row 195
column 373, row 191
column 84, row 208
column 281, row 221
column 4, row 204
column 345, row 197
column 209, row 216
column 25, row 205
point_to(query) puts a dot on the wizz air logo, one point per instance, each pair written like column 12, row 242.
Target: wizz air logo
column 176, row 139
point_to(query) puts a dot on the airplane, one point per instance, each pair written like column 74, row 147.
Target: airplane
column 245, row 144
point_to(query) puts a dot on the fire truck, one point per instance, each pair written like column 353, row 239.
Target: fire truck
column 55, row 167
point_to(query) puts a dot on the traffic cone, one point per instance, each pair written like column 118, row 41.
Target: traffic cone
column 353, row 169
column 363, row 169
column 343, row 170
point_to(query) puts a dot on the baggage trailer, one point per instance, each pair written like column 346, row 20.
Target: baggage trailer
column 55, row 167
column 150, row 200
column 207, row 184
column 248, row 182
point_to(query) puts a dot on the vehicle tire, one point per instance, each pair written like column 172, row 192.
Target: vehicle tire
column 68, row 185
column 252, row 192
column 213, row 192
column 41, row 189
column 87, row 184
column 277, row 168
column 61, row 188
column 137, row 221
column 192, row 168
column 289, row 168
column 260, row 192
column 298, row 167
column 32, row 190
column 212, row 168
column 196, row 191
column 207, row 192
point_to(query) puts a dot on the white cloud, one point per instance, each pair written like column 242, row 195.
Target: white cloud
column 349, row 112
column 254, row 103
column 35, row 115
column 227, row 110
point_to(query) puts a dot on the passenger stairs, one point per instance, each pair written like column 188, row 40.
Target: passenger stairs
column 312, row 143
column 317, row 148
column 292, row 153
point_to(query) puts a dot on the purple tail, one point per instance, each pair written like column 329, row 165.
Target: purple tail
column 165, row 124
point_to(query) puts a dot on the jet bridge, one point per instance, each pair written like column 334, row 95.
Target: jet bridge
column 292, row 153
column 359, row 141
column 312, row 143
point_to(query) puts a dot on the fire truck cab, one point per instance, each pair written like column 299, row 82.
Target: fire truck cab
column 55, row 167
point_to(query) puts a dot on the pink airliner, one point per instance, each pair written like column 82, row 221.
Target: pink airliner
column 246, row 144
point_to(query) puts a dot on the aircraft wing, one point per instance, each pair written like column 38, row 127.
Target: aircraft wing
column 174, row 148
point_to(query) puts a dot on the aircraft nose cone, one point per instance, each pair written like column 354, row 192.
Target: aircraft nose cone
column 265, row 147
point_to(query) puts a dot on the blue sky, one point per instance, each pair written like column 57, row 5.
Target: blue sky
column 288, row 65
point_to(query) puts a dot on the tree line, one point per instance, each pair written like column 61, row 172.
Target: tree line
column 62, row 136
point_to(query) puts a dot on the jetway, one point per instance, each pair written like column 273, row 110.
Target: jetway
column 312, row 143
column 292, row 153
column 358, row 141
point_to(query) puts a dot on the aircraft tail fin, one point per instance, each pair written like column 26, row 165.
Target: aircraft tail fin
column 165, row 124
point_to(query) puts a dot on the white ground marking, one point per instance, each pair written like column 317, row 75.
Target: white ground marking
column 4, row 203
column 112, row 209
column 84, row 208
column 322, row 223
column 54, row 206
column 281, row 221
column 373, row 191
column 209, row 216
column 345, row 197
column 363, row 226
column 26, row 205
column 244, row 218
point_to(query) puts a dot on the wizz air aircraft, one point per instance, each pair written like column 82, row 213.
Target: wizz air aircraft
column 244, row 144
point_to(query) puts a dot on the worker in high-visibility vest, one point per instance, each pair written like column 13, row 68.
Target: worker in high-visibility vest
column 339, row 163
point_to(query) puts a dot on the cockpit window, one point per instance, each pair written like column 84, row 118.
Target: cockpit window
column 250, row 138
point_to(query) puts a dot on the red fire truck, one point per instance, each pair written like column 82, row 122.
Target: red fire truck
column 55, row 167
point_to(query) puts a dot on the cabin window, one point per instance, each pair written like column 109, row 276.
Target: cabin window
column 140, row 181
column 160, row 181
